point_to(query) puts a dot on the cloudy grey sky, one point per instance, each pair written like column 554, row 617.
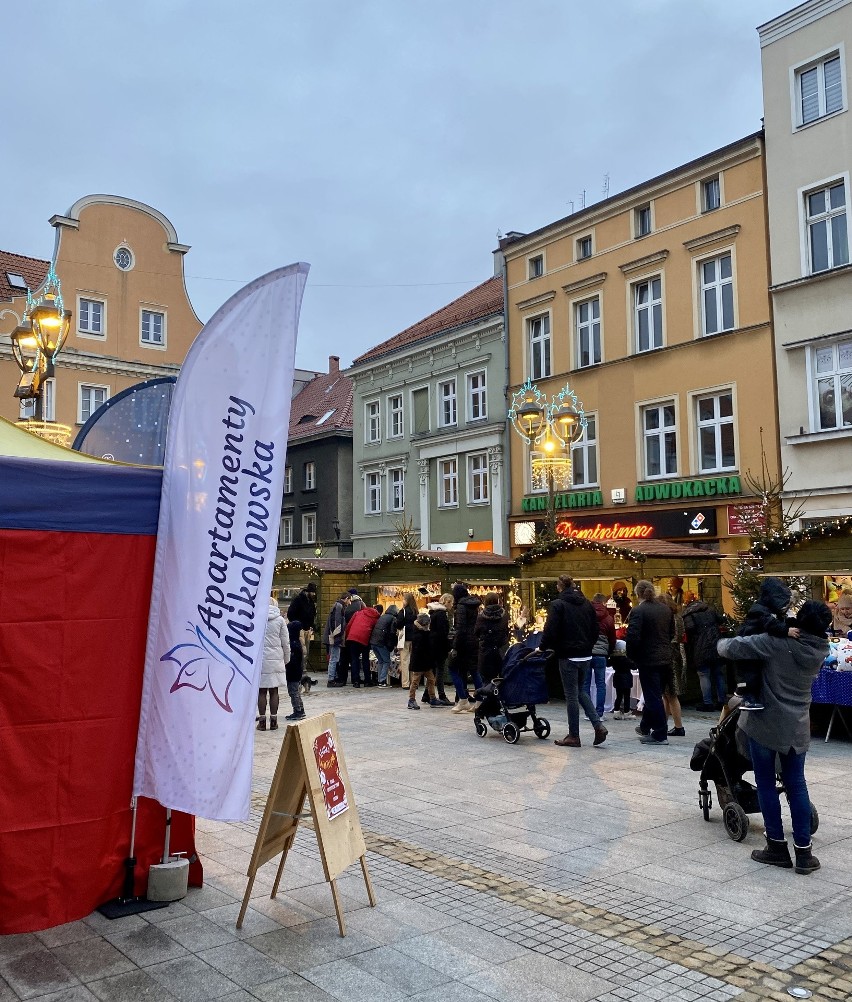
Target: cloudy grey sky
column 383, row 141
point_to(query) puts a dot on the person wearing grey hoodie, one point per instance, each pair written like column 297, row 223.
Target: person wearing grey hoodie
column 782, row 729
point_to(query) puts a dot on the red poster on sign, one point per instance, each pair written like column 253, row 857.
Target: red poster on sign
column 746, row 519
column 333, row 790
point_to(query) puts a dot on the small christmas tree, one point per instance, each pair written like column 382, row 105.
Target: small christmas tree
column 407, row 537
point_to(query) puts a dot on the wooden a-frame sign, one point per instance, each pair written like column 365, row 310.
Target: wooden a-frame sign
column 311, row 765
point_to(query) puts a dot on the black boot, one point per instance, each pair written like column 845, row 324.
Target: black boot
column 273, row 723
column 806, row 862
column 261, row 724
column 776, row 853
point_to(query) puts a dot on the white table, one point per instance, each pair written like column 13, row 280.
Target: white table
column 636, row 699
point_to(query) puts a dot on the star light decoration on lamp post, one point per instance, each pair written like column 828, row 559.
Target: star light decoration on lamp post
column 550, row 428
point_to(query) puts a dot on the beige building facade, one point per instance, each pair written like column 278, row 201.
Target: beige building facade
column 806, row 86
column 653, row 308
column 120, row 265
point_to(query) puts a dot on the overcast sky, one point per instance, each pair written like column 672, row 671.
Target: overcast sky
column 384, row 141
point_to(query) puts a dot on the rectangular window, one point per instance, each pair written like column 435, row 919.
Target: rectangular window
column 587, row 318
column 396, row 427
column 372, row 422
column 447, row 404
column 710, row 194
column 288, row 479
column 642, row 220
column 286, row 535
column 448, row 483
column 477, row 478
column 396, row 485
column 90, row 318
column 310, row 476
column 819, row 89
column 659, row 431
column 828, row 242
column 538, row 332
column 584, row 248
column 309, row 528
column 833, row 385
column 476, row 403
column 153, row 327
column 715, row 423
column 420, row 407
column 717, row 295
column 91, row 398
column 536, row 266
column 648, row 314
column 373, row 499
column 584, row 456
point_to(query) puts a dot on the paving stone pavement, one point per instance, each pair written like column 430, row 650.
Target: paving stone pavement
column 502, row 872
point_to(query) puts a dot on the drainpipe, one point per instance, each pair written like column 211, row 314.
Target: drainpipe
column 507, row 464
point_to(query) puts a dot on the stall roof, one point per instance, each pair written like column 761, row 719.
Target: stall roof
column 637, row 550
column 18, row 442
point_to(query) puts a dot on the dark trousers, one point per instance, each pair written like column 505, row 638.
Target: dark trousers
column 653, row 679
column 343, row 664
column 359, row 659
column 622, row 684
column 293, row 691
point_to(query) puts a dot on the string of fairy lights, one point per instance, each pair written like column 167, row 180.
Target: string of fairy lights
column 778, row 542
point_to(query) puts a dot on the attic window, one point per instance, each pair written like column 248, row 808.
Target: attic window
column 16, row 281
column 306, row 418
column 326, row 416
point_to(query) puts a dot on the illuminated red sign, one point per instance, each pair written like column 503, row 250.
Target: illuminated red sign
column 680, row 523
column 604, row 533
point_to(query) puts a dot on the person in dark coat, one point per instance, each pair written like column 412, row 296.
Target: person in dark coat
column 603, row 649
column 383, row 641
column 420, row 664
column 492, row 634
column 294, row 671
column 303, row 608
column 439, row 638
column 783, row 729
column 650, row 632
column 571, row 631
column 767, row 615
column 701, row 623
column 464, row 659
column 405, row 624
column 356, row 603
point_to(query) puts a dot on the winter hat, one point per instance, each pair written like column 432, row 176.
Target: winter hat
column 459, row 591
column 311, row 587
column 814, row 618
column 353, row 591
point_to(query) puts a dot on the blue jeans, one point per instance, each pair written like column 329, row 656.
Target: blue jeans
column 713, row 676
column 383, row 657
column 793, row 775
column 598, row 668
column 576, row 676
column 333, row 661
column 459, row 682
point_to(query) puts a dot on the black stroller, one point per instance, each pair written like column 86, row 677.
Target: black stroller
column 509, row 701
column 723, row 760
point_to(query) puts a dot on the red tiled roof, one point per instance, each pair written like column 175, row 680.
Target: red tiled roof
column 329, row 393
column 483, row 301
column 32, row 269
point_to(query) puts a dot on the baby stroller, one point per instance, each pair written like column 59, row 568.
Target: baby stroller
column 723, row 760
column 509, row 701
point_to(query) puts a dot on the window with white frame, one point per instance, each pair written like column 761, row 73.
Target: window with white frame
column 372, row 422
column 396, row 487
column 447, row 403
column 717, row 295
column 832, row 367
column 584, row 456
column 715, row 424
column 587, row 318
column 648, row 313
column 310, row 476
column 819, row 89
column 448, row 483
column 90, row 317
column 153, row 327
column 89, row 400
column 536, row 266
column 285, row 537
column 48, row 403
column 396, row 424
column 659, row 433
column 477, row 409
column 373, row 494
column 309, row 527
column 477, row 478
column 288, row 479
column 828, row 239
column 711, row 194
column 538, row 333
column 642, row 220
column 584, row 248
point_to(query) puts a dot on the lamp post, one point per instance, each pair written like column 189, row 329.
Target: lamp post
column 552, row 426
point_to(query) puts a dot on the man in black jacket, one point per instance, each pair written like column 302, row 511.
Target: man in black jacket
column 650, row 632
column 571, row 631
column 303, row 610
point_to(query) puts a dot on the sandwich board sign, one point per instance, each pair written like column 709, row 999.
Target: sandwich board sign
column 311, row 767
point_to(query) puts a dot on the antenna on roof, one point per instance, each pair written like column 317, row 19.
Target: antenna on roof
column 571, row 203
column 606, row 185
column 583, row 196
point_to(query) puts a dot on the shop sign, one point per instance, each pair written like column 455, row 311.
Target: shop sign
column 563, row 501
column 696, row 522
column 674, row 490
column 746, row 519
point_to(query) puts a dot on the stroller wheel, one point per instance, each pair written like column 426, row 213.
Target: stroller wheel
column 481, row 727
column 511, row 733
column 541, row 727
column 705, row 800
column 736, row 822
column 814, row 819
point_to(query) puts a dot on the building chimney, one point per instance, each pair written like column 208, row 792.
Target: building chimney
column 333, row 363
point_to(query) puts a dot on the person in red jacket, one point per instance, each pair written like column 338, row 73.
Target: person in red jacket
column 358, row 632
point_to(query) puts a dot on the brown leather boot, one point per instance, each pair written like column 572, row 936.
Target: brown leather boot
column 568, row 742
column 600, row 734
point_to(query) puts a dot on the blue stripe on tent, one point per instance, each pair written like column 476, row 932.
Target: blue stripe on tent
column 78, row 497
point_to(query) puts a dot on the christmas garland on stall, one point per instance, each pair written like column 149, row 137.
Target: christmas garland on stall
column 778, row 542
